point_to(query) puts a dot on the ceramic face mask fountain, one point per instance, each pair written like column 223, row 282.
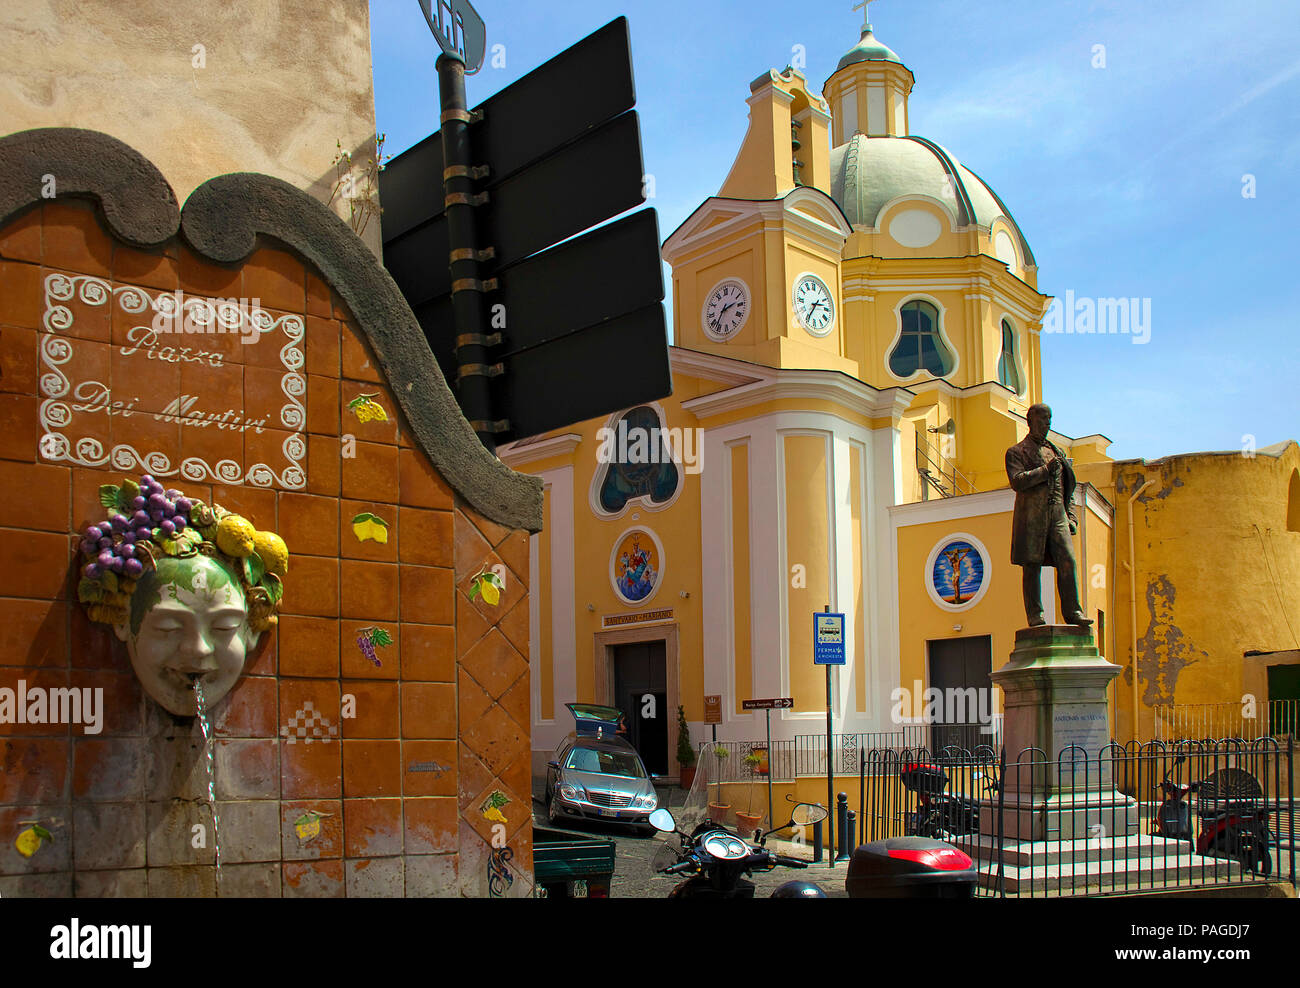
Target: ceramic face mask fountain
column 188, row 587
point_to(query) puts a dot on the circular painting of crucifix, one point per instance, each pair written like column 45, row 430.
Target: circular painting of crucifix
column 956, row 574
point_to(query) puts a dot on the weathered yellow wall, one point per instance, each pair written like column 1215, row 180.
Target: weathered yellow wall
column 806, row 534
column 281, row 83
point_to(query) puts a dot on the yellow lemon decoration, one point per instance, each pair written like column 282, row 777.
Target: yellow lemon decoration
column 366, row 409
column 235, row 536
column 492, row 806
column 29, row 841
column 368, row 526
column 307, row 826
column 489, row 585
column 274, row 553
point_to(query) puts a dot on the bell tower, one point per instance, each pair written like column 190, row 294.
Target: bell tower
column 868, row 90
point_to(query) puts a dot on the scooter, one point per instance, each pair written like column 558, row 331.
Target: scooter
column 939, row 814
column 1234, row 820
column 717, row 859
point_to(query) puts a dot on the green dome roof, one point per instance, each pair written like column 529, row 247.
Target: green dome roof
column 868, row 50
column 868, row 172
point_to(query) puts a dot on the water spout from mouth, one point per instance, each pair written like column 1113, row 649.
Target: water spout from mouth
column 201, row 704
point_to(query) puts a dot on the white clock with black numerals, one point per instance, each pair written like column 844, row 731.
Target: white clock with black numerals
column 813, row 305
column 725, row 309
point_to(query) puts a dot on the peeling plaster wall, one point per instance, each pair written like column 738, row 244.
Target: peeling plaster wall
column 283, row 82
column 1216, row 570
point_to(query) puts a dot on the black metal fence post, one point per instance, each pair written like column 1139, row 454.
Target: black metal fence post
column 817, row 842
column 842, row 826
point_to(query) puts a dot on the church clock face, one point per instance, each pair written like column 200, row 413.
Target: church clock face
column 725, row 310
column 813, row 305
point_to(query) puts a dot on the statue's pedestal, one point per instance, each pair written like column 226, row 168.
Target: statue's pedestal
column 1054, row 700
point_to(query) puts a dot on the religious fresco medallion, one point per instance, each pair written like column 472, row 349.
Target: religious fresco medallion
column 956, row 574
column 636, row 565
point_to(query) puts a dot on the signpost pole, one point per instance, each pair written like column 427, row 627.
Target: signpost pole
column 473, row 370
column 716, row 759
column 830, row 766
column 771, row 820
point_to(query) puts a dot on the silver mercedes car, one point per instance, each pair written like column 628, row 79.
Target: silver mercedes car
column 597, row 775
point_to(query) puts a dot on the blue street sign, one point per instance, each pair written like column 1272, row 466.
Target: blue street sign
column 828, row 639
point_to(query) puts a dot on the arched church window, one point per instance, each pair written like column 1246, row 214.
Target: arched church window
column 636, row 462
column 1008, row 369
column 1293, row 503
column 920, row 347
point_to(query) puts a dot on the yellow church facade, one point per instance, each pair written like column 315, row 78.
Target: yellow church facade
column 857, row 322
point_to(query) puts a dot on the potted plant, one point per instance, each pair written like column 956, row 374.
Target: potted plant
column 717, row 809
column 685, row 753
column 748, row 822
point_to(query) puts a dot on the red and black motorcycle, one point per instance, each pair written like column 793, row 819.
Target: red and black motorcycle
column 1234, row 817
column 939, row 814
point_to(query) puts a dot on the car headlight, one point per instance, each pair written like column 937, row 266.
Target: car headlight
column 571, row 792
column 646, row 802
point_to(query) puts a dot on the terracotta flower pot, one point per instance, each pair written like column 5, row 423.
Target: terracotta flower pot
column 718, row 812
column 747, row 823
column 687, row 777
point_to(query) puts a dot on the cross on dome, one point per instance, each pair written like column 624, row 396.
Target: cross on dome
column 865, row 7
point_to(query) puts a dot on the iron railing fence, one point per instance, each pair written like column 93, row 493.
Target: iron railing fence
column 1038, row 826
column 1231, row 719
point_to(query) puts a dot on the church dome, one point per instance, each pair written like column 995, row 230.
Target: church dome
column 869, row 172
column 868, row 50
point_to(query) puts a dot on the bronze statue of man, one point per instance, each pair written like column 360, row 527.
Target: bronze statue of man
column 1044, row 518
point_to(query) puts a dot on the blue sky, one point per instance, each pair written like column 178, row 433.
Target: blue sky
column 1127, row 180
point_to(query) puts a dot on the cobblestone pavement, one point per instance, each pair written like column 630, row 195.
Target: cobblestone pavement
column 633, row 878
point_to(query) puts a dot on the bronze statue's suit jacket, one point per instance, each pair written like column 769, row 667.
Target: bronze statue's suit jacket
column 1034, row 513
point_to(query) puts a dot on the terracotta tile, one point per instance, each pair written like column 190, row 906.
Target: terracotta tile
column 23, row 294
column 515, row 626
column 421, row 486
column 74, row 239
column 322, row 405
column 495, row 738
column 426, row 537
column 312, row 587
column 310, row 766
column 326, row 844
column 474, row 777
column 341, row 310
column 33, row 633
column 428, row 653
column 89, row 320
column 318, row 296
column 213, row 446
column 372, row 827
column 354, row 548
column 372, row 768
column 257, row 504
column 313, row 879
column 310, row 771
column 262, row 659
column 470, row 627
column 249, row 710
column 473, row 700
column 18, row 359
column 494, row 663
column 514, row 551
column 37, row 496
column 322, row 345
column 277, row 278
column 269, row 350
column 371, row 474
column 308, row 646
column 54, row 856
column 519, row 774
column 427, row 595
column 512, row 590
column 20, row 239
column 217, row 388
column 263, row 395
column 33, row 770
column 324, row 465
column 374, row 430
column 494, row 533
column 429, row 768
column 37, row 564
column 146, row 434
column 357, row 360
column 517, row 702
column 144, row 385
column 200, row 276
column 355, row 665
column 472, row 550
column 431, row 825
column 123, row 699
column 108, row 769
column 309, row 525
column 368, row 591
column 97, row 645
column 376, row 708
column 429, row 711
column 151, row 268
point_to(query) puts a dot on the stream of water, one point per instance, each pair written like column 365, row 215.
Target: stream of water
column 202, row 704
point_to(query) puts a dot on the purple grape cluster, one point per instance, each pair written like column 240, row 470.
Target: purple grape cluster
column 111, row 545
column 368, row 648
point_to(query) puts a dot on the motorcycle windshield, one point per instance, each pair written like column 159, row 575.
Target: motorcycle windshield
column 729, row 781
column 696, row 808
